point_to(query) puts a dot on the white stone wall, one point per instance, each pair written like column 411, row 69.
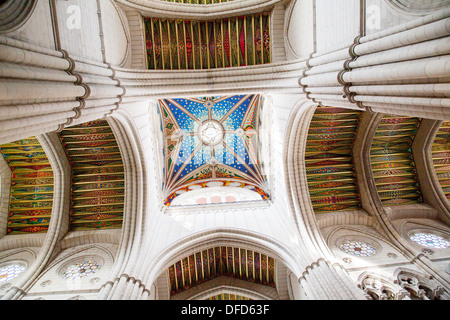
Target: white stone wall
column 38, row 29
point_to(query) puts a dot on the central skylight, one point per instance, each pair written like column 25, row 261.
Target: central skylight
column 212, row 142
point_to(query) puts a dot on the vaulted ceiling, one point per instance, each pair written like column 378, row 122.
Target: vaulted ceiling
column 31, row 197
column 97, row 186
column 212, row 142
column 329, row 159
column 190, row 44
column 392, row 161
column 211, row 263
column 441, row 157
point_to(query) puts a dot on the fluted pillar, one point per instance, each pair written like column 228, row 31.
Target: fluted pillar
column 323, row 277
column 402, row 70
column 324, row 281
column 38, row 92
column 152, row 84
column 45, row 90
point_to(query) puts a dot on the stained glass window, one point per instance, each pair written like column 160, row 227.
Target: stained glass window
column 429, row 240
column 11, row 271
column 81, row 270
column 358, row 248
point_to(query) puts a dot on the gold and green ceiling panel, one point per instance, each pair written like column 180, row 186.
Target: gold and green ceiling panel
column 189, row 44
column 392, row 161
column 209, row 264
column 441, row 157
column 198, row 1
column 31, row 196
column 228, row 296
column 329, row 162
column 97, row 186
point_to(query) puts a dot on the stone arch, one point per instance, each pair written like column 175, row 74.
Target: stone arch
column 284, row 258
column 102, row 256
column 379, row 287
column 419, row 285
column 14, row 14
column 186, row 11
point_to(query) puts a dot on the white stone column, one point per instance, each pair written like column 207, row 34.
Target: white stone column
column 45, row 90
column 38, row 92
column 323, row 277
column 402, row 70
column 371, row 202
column 121, row 285
column 153, row 84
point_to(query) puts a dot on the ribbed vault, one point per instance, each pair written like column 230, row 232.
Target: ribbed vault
column 212, row 142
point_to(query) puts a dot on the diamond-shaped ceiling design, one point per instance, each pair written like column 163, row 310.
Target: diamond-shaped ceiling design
column 211, row 142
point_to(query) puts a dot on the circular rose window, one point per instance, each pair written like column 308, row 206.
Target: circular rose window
column 81, row 270
column 11, row 271
column 211, row 132
column 358, row 248
column 429, row 240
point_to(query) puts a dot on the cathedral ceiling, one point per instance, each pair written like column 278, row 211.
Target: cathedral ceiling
column 329, row 162
column 392, row 161
column 198, row 1
column 441, row 157
column 31, row 197
column 212, row 142
column 97, row 193
column 208, row 264
column 190, row 44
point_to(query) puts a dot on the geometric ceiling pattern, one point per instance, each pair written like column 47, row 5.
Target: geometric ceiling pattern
column 329, row 161
column 31, row 197
column 189, row 44
column 97, row 186
column 211, row 142
column 198, row 1
column 392, row 160
column 228, row 296
column 440, row 152
column 211, row 263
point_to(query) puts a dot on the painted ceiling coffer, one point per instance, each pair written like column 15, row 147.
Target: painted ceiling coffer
column 441, row 157
column 31, row 197
column 330, row 170
column 191, row 44
column 392, row 160
column 233, row 262
column 212, row 142
column 198, row 1
column 97, row 194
